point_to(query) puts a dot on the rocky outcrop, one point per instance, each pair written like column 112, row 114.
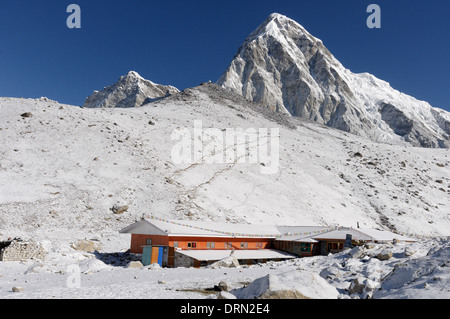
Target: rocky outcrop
column 227, row 262
column 296, row 284
column 134, row 264
column 396, row 119
column 130, row 91
column 385, row 255
column 410, row 130
column 86, row 245
column 419, row 271
column 285, row 68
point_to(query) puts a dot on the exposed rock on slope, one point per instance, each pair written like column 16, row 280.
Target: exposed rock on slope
column 287, row 69
column 130, row 91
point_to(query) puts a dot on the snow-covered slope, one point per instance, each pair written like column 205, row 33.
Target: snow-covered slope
column 65, row 167
column 62, row 169
column 415, row 271
column 131, row 90
column 287, row 69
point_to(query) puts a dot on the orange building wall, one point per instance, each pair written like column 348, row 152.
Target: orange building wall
column 219, row 243
column 137, row 241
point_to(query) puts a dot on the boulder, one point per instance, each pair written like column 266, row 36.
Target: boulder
column 224, row 286
column 154, row 266
column 91, row 265
column 385, row 255
column 331, row 272
column 17, row 289
column 357, row 286
column 86, row 245
column 296, row 284
column 363, row 286
column 409, row 251
column 357, row 252
column 225, row 295
column 116, row 209
column 134, row 264
column 227, row 262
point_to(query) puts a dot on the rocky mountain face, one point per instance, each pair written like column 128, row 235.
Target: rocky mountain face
column 130, row 91
column 288, row 70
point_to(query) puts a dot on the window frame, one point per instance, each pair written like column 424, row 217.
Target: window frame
column 192, row 245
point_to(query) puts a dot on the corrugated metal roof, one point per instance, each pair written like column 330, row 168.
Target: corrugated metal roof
column 309, row 234
column 303, row 234
column 212, row 255
column 341, row 234
column 199, row 229
column 383, row 235
column 362, row 234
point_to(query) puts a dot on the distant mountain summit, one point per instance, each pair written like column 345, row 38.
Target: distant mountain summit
column 130, row 90
column 288, row 70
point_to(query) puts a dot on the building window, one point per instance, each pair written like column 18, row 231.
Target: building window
column 148, row 241
column 244, row 245
column 335, row 247
column 228, row 245
column 210, row 245
column 192, row 245
column 175, row 244
column 305, row 248
column 259, row 245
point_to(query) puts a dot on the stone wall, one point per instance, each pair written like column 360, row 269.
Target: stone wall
column 18, row 250
column 183, row 260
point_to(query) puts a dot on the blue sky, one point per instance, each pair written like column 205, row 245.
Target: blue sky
column 184, row 43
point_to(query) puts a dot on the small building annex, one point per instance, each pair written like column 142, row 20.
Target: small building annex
column 317, row 240
column 194, row 243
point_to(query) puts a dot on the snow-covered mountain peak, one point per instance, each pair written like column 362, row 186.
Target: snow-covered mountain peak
column 133, row 74
column 134, row 77
column 131, row 90
column 282, row 28
column 285, row 68
column 276, row 15
column 277, row 20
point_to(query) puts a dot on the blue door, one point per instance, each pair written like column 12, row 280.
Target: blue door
column 146, row 255
column 160, row 255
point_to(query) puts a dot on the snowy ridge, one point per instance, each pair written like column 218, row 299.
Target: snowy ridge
column 131, row 90
column 287, row 69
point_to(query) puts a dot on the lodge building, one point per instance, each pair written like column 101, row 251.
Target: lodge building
column 173, row 243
